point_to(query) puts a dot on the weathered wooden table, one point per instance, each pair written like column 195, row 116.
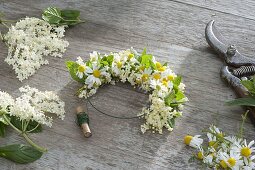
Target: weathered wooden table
column 172, row 30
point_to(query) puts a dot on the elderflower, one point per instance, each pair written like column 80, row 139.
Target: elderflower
column 29, row 41
column 32, row 105
column 166, row 91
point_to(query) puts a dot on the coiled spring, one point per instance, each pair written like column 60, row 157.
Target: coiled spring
column 244, row 71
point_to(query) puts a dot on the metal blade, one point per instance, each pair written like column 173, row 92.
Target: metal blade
column 215, row 39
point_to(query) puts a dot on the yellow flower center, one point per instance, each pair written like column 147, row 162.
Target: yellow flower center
column 119, row 64
column 96, row 73
column 81, row 68
column 213, row 144
column 245, row 151
column 142, row 68
column 130, row 56
column 158, row 64
column 200, row 155
column 145, row 77
column 162, row 68
column 187, row 139
column 220, row 135
column 164, row 83
column 223, row 164
column 232, row 162
column 138, row 81
column 170, row 77
column 157, row 76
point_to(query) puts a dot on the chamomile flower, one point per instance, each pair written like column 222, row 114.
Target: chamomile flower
column 212, row 140
column 94, row 75
column 193, row 141
column 232, row 160
column 145, row 74
column 94, row 56
column 249, row 163
column 247, row 150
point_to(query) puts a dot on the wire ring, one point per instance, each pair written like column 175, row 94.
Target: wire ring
column 117, row 117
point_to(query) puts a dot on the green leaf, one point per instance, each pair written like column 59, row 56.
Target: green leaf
column 144, row 52
column 52, row 15
column 249, row 85
column 20, row 153
column 177, row 80
column 107, row 60
column 73, row 68
column 247, row 101
column 2, row 129
column 169, row 98
column 171, row 122
column 153, row 66
column 146, row 60
column 70, row 14
column 31, row 125
column 56, row 16
column 179, row 95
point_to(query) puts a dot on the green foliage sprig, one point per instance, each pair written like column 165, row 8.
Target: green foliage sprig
column 56, row 16
column 246, row 101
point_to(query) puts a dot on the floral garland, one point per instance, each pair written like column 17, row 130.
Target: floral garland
column 140, row 70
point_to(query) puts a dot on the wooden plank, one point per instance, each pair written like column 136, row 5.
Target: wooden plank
column 241, row 8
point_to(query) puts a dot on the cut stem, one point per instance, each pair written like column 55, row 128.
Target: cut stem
column 39, row 148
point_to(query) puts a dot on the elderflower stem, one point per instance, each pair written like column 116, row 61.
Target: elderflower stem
column 39, row 148
column 9, row 123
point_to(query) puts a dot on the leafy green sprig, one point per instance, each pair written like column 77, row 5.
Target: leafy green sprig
column 18, row 152
column 56, row 16
column 246, row 101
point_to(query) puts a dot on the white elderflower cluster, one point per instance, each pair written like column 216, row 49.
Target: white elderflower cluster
column 33, row 105
column 29, row 41
column 140, row 70
column 223, row 152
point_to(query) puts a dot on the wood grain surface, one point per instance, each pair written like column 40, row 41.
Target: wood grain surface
column 172, row 30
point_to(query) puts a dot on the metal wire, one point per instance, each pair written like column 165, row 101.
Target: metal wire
column 117, row 117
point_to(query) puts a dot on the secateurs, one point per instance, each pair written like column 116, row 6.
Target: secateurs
column 237, row 66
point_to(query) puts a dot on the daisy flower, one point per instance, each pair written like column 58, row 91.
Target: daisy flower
column 232, row 160
column 145, row 75
column 193, row 141
column 249, row 163
column 94, row 75
column 247, row 150
column 81, row 71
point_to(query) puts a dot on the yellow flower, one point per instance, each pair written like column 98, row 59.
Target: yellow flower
column 81, row 68
column 223, row 164
column 157, row 76
column 200, row 155
column 145, row 77
column 163, row 68
column 119, row 64
column 231, row 161
column 130, row 56
column 246, row 151
column 158, row 65
column 187, row 139
column 96, row 73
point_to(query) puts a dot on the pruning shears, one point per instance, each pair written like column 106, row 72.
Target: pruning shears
column 237, row 66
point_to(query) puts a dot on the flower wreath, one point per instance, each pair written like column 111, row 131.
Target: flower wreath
column 140, row 70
